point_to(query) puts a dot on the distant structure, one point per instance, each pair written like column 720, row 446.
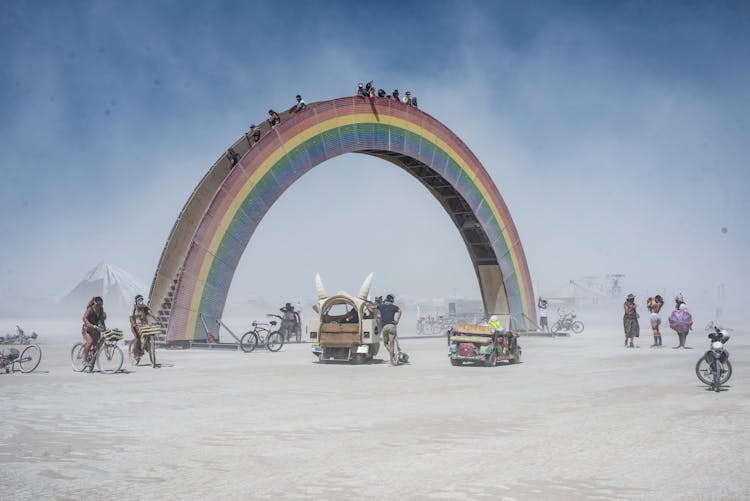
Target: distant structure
column 195, row 271
column 116, row 286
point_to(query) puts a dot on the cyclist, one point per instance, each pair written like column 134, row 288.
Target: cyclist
column 139, row 318
column 93, row 324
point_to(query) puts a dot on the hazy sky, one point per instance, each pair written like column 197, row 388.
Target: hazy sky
column 617, row 133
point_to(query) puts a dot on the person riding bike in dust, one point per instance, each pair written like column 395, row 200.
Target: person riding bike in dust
column 93, row 323
column 390, row 314
column 139, row 318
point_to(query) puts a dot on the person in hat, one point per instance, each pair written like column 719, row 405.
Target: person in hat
column 678, row 300
column 681, row 322
column 291, row 323
column 630, row 321
column 139, row 315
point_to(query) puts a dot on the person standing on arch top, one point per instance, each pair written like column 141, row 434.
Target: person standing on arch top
column 630, row 321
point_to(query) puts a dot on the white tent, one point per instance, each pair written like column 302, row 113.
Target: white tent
column 116, row 286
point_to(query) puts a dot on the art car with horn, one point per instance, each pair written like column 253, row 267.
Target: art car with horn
column 346, row 328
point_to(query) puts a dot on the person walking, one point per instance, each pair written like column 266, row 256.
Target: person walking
column 630, row 321
column 681, row 321
column 655, row 319
column 390, row 314
column 139, row 316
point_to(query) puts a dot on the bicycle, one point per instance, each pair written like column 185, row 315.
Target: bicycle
column 262, row 335
column 148, row 344
column 107, row 355
column 27, row 360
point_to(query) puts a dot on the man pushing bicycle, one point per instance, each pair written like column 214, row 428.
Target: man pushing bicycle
column 139, row 319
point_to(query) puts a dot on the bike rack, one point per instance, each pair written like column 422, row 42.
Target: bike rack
column 219, row 324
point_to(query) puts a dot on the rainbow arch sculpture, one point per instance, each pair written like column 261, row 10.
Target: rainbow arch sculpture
column 230, row 202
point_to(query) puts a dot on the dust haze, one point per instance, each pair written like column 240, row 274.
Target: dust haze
column 616, row 152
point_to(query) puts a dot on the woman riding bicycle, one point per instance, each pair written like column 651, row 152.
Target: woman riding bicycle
column 139, row 318
column 93, row 324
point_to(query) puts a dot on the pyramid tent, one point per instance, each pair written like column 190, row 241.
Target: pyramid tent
column 116, row 286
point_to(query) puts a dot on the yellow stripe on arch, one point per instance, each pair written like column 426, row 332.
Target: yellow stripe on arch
column 319, row 128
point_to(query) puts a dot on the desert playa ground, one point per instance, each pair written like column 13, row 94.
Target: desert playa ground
column 580, row 418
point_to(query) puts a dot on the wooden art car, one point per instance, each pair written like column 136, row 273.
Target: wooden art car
column 479, row 344
column 346, row 327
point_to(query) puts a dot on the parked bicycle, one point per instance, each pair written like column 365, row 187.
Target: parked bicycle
column 106, row 354
column 27, row 360
column 262, row 335
column 567, row 322
column 148, row 344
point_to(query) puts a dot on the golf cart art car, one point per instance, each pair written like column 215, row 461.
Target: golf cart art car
column 346, row 328
column 479, row 344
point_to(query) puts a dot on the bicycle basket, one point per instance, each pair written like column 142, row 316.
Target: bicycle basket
column 150, row 330
column 112, row 334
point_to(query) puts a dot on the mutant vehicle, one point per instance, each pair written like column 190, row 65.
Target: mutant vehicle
column 346, row 328
column 479, row 344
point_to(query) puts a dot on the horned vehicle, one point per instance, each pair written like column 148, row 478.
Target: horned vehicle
column 346, row 328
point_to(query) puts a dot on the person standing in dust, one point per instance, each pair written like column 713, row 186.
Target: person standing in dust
column 681, row 321
column 542, row 306
column 630, row 321
column 655, row 319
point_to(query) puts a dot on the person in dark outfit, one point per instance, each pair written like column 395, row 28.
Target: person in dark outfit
column 274, row 118
column 233, row 157
column 390, row 314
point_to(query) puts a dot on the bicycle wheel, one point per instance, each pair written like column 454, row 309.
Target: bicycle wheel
column 275, row 341
column 726, row 371
column 703, row 371
column 30, row 358
column 109, row 359
column 152, row 351
column 76, row 357
column 249, row 341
